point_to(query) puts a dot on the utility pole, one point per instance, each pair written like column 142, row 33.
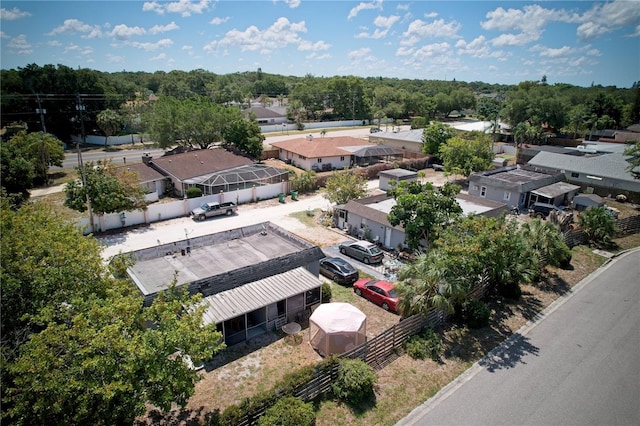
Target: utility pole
column 80, row 108
column 42, row 112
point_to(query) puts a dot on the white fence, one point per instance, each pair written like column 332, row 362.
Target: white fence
column 163, row 211
column 112, row 140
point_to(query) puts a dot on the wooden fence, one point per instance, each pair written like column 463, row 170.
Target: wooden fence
column 376, row 352
column 628, row 225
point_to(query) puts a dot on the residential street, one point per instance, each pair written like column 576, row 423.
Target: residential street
column 579, row 365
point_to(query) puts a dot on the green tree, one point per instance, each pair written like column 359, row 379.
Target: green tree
column 463, row 157
column 421, row 207
column 109, row 122
column 423, row 285
column 41, row 149
column 599, row 226
column 75, row 345
column 108, row 189
column 547, row 244
column 434, row 136
column 289, row 411
column 305, row 182
column 633, row 151
column 246, row 136
column 344, row 186
column 489, row 109
column 17, row 174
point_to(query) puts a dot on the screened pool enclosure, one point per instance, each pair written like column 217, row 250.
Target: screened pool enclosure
column 239, row 178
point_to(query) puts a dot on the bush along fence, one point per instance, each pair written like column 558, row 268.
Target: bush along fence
column 308, row 383
column 628, row 225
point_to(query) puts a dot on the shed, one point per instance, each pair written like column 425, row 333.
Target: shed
column 583, row 201
column 397, row 175
column 335, row 328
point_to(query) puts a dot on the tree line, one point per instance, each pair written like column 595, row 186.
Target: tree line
column 74, row 99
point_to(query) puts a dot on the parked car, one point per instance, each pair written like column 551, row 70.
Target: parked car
column 213, row 209
column 375, row 130
column 364, row 251
column 382, row 293
column 542, row 210
column 339, row 270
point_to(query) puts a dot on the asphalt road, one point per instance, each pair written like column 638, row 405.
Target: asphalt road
column 579, row 365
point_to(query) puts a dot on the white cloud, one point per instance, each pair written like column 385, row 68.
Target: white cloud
column 419, row 30
column 74, row 26
column 157, row 29
column 114, row 58
column 318, row 45
column 159, row 57
column 360, row 54
column 404, row 7
column 431, row 15
column 149, row 47
column 217, row 20
column 3, row 35
column 13, row 14
column 477, row 48
column 281, row 33
column 404, row 51
column 377, row 34
column 187, row 47
column 603, row 18
column 292, row 3
column 385, row 21
column 182, row 7
column 528, row 23
column 72, row 48
column 20, row 45
column 364, row 6
column 124, row 32
column 549, row 52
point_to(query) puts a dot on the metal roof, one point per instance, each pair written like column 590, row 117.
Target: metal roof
column 612, row 166
column 555, row 189
column 258, row 294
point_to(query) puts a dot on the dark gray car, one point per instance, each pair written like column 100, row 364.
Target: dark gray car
column 339, row 270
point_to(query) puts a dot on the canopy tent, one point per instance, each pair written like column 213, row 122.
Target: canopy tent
column 335, row 328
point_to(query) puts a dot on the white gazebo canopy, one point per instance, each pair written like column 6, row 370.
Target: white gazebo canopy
column 335, row 328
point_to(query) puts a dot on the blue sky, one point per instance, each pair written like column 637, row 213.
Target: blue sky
column 575, row 42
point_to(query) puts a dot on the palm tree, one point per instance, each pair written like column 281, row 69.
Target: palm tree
column 599, row 225
column 423, row 285
column 546, row 242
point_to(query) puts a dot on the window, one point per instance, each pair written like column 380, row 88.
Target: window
column 483, row 191
column 319, row 160
column 342, row 158
column 575, row 175
column 507, row 195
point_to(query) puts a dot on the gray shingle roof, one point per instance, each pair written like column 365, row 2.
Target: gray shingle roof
column 612, row 166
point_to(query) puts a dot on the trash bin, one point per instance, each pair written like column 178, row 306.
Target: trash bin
column 294, row 195
column 281, row 197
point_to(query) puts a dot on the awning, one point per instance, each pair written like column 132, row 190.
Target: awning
column 555, row 190
column 257, row 294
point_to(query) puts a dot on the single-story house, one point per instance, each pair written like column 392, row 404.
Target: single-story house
column 607, row 174
column 252, row 278
column 410, row 140
column 367, row 217
column 511, row 185
column 151, row 180
column 265, row 116
column 396, row 175
column 213, row 171
column 332, row 153
column 558, row 194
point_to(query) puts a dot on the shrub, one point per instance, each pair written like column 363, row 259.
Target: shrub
column 289, row 411
column 326, row 293
column 427, row 344
column 475, row 313
column 355, row 381
column 194, row 192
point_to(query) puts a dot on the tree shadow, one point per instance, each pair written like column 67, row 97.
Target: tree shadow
column 181, row 417
column 554, row 283
column 509, row 354
column 235, row 352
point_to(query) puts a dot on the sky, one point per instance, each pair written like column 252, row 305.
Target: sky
column 505, row 42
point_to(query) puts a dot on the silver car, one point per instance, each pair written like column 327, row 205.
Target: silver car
column 364, row 251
